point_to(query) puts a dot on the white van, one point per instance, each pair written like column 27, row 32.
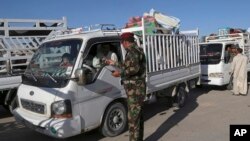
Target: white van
column 215, row 64
column 63, row 102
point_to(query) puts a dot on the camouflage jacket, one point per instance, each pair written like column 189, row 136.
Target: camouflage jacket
column 134, row 65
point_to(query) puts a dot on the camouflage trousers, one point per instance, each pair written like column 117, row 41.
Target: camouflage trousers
column 136, row 92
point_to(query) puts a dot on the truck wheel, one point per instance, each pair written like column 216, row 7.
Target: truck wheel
column 2, row 99
column 170, row 101
column 6, row 107
column 198, row 86
column 114, row 120
column 181, row 97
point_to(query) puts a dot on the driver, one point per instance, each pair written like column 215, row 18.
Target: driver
column 103, row 53
column 65, row 60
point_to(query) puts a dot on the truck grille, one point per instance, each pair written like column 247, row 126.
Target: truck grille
column 33, row 106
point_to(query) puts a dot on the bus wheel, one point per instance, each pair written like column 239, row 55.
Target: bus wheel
column 114, row 120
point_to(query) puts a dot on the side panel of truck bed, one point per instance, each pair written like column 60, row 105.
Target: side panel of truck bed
column 171, row 60
column 163, row 79
column 10, row 82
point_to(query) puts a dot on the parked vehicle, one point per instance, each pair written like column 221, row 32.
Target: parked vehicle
column 19, row 39
column 215, row 64
column 63, row 102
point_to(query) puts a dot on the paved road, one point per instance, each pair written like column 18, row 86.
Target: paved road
column 206, row 117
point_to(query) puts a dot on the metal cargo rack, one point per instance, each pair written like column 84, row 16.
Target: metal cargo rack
column 19, row 38
column 104, row 29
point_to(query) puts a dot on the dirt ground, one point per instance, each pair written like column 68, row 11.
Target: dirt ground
column 206, row 117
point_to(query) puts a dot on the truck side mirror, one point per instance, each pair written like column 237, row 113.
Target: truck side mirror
column 80, row 75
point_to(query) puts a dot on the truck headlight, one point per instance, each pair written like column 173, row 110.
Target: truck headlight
column 61, row 109
column 216, row 74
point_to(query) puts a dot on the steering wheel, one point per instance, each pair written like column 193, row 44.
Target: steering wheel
column 90, row 68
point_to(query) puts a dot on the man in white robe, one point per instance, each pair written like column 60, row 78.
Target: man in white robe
column 239, row 71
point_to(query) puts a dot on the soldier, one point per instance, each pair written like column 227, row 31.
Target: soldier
column 133, row 72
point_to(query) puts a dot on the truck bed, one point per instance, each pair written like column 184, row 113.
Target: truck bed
column 18, row 44
column 171, row 60
column 8, row 82
column 166, row 78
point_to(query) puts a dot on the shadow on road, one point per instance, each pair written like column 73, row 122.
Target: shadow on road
column 180, row 114
column 4, row 113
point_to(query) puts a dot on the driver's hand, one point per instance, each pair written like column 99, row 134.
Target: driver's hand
column 109, row 62
column 116, row 73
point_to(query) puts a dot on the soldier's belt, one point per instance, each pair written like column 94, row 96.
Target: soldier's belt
column 129, row 82
column 134, row 81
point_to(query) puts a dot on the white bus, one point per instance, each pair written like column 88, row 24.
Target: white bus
column 215, row 62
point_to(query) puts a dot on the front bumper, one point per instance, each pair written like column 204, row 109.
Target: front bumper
column 212, row 81
column 57, row 128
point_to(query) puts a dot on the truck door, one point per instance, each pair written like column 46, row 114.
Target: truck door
column 228, row 58
column 101, row 87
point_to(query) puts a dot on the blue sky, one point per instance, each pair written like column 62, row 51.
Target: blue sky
column 207, row 15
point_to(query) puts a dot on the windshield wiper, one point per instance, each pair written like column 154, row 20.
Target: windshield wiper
column 32, row 75
column 51, row 77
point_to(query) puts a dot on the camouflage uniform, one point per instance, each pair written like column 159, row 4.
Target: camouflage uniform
column 133, row 72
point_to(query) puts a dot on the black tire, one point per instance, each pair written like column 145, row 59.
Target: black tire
column 114, row 120
column 181, row 97
column 199, row 86
column 6, row 107
column 169, row 101
column 2, row 99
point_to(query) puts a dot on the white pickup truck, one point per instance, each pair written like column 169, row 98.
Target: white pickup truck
column 215, row 64
column 19, row 39
column 63, row 102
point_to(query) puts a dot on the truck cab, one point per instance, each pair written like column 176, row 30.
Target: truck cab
column 58, row 101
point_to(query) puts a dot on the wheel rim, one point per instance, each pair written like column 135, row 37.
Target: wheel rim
column 116, row 119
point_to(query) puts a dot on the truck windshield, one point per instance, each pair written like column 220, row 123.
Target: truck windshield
column 52, row 64
column 210, row 53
